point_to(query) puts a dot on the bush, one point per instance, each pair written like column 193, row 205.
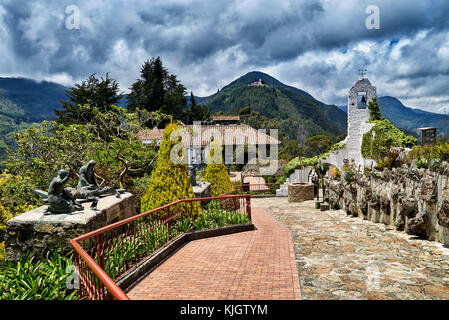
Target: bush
column 429, row 156
column 377, row 142
column 216, row 173
column 16, row 197
column 297, row 163
column 31, row 279
column 170, row 180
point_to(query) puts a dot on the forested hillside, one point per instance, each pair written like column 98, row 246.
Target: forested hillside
column 290, row 106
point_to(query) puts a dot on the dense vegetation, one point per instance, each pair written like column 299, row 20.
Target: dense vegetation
column 376, row 143
column 289, row 108
column 216, row 173
column 170, row 180
column 24, row 103
column 32, row 279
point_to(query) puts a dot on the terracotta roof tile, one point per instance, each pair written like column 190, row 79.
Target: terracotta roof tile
column 236, row 135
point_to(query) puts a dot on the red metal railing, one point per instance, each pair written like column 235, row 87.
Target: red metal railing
column 261, row 188
column 104, row 256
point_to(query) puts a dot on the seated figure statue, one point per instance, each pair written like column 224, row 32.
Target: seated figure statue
column 59, row 199
column 88, row 187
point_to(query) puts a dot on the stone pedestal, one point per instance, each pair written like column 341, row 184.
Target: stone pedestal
column 299, row 192
column 39, row 231
column 202, row 189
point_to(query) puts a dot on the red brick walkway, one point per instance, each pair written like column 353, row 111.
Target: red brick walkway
column 249, row 265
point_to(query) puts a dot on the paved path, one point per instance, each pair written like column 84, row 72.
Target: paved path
column 342, row 257
column 249, row 265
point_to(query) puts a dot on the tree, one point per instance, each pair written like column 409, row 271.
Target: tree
column 170, row 180
column 122, row 154
column 374, row 109
column 196, row 112
column 317, row 145
column 376, row 143
column 216, row 172
column 121, row 157
column 91, row 93
column 291, row 150
column 157, row 90
column 44, row 149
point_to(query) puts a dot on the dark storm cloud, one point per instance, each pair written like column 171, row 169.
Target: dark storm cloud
column 209, row 43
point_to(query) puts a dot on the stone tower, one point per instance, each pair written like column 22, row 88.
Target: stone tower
column 358, row 115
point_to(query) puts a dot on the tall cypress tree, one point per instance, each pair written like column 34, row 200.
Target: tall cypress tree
column 157, row 90
column 216, row 173
column 170, row 179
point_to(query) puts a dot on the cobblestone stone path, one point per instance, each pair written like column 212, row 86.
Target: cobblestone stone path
column 344, row 257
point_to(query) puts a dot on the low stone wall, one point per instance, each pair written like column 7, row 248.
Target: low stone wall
column 202, row 189
column 410, row 199
column 39, row 232
column 300, row 191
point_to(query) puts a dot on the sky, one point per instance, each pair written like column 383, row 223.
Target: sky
column 315, row 45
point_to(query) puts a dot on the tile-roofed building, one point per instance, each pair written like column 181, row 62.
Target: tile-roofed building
column 198, row 137
column 151, row 136
column 226, row 118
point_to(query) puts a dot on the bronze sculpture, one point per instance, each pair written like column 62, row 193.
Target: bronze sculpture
column 63, row 200
column 88, row 187
column 59, row 198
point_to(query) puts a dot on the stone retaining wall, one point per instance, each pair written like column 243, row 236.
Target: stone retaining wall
column 410, row 199
column 39, row 232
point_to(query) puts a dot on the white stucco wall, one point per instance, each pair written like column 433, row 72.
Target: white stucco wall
column 357, row 126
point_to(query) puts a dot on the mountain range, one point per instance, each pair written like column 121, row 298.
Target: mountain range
column 24, row 102
column 271, row 98
column 409, row 119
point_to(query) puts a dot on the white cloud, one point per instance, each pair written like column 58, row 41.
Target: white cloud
column 315, row 45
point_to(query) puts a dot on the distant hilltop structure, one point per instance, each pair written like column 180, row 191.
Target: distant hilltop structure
column 257, row 83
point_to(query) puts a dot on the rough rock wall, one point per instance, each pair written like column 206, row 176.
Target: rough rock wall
column 410, row 199
column 39, row 232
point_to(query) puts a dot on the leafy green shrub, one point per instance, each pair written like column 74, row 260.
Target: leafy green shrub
column 429, row 156
column 2, row 251
column 31, row 279
column 374, row 109
column 170, row 180
column 349, row 171
column 441, row 151
column 383, row 135
column 216, row 173
column 16, row 197
column 349, row 176
column 214, row 216
column 377, row 142
column 297, row 163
